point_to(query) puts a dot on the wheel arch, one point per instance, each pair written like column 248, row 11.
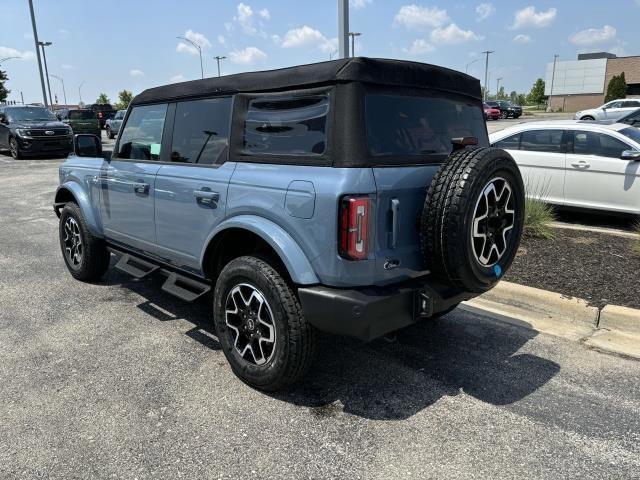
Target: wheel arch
column 249, row 234
column 73, row 192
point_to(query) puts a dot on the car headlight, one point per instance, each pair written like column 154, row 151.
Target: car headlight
column 23, row 132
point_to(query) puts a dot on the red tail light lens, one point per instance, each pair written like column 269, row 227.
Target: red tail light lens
column 99, row 114
column 354, row 227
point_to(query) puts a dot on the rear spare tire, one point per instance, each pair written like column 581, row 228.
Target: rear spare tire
column 472, row 218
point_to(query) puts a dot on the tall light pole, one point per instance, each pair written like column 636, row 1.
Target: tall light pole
column 199, row 51
column 353, row 36
column 218, row 58
column 64, row 92
column 35, row 39
column 80, row 92
column 6, row 58
column 553, row 77
column 486, row 71
column 466, row 69
column 498, row 86
column 343, row 28
column 46, row 69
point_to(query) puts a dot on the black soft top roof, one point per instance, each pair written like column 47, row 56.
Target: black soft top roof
column 376, row 71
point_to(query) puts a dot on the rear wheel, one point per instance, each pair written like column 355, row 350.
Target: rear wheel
column 14, row 148
column 472, row 218
column 260, row 325
column 85, row 255
column 587, row 117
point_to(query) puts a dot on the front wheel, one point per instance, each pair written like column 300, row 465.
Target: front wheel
column 15, row 149
column 587, row 117
column 85, row 255
column 504, row 115
column 260, row 325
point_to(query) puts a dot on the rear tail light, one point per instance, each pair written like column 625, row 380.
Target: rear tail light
column 99, row 114
column 354, row 227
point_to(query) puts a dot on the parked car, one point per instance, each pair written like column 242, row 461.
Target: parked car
column 576, row 163
column 507, row 109
column 80, row 121
column 293, row 194
column 103, row 112
column 632, row 118
column 490, row 112
column 613, row 110
column 112, row 125
column 30, row 131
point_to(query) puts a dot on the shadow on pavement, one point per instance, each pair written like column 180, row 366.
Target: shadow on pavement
column 387, row 380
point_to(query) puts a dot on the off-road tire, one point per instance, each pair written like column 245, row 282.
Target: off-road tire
column 95, row 257
column 110, row 134
column 447, row 218
column 295, row 337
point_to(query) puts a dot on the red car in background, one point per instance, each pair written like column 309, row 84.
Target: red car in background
column 490, row 112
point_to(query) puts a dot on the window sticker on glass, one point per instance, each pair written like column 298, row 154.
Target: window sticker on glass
column 155, row 149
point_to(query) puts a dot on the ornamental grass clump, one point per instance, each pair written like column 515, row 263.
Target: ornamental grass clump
column 538, row 215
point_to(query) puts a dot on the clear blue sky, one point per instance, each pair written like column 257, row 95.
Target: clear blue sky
column 117, row 44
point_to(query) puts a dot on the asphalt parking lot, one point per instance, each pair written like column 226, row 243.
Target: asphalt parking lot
column 118, row 380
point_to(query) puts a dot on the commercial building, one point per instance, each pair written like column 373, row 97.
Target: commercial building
column 581, row 84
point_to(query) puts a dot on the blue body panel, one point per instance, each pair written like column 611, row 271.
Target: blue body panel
column 294, row 209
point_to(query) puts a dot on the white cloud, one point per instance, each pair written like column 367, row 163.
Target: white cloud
column 197, row 38
column 308, row 36
column 521, row 38
column 177, row 78
column 419, row 47
column 12, row 52
column 358, row 4
column 416, row 17
column 248, row 56
column 528, row 17
column 275, row 38
column 593, row 36
column 245, row 18
column 136, row 73
column 221, row 40
column 66, row 66
column 484, row 11
column 264, row 13
column 453, row 34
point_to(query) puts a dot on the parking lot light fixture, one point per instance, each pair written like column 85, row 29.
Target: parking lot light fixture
column 35, row 39
column 46, row 69
column 64, row 92
column 486, row 72
column 466, row 69
column 199, row 48
column 553, row 77
column 80, row 92
column 353, row 36
column 218, row 58
column 498, row 86
column 6, row 58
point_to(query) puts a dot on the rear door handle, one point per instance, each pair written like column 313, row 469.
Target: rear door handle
column 581, row 164
column 206, row 197
column 141, row 187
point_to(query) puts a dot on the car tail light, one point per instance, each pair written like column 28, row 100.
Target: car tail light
column 354, row 227
column 99, row 114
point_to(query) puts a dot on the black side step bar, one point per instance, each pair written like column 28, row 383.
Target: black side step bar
column 183, row 287
column 134, row 266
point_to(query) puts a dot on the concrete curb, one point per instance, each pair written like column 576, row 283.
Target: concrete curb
column 614, row 329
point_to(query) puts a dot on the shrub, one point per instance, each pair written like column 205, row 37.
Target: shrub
column 537, row 219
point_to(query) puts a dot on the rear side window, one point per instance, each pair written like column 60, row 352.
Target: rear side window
column 141, row 136
column 201, row 131
column 510, row 143
column 542, row 141
column 81, row 115
column 287, row 126
column 401, row 125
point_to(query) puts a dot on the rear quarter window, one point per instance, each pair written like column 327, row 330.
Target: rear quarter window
column 286, row 126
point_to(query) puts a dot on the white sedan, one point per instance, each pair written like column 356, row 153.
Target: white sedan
column 609, row 111
column 577, row 164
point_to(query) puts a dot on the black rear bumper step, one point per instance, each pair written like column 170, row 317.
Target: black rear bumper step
column 136, row 267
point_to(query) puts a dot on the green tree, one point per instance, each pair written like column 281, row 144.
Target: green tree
column 536, row 95
column 501, row 95
column 521, row 99
column 124, row 99
column 617, row 88
column 4, row 93
column 103, row 99
column 513, row 96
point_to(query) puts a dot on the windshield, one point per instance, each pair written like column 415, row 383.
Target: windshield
column 81, row 115
column 399, row 125
column 27, row 114
column 632, row 133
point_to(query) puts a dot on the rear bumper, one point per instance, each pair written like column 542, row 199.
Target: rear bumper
column 368, row 313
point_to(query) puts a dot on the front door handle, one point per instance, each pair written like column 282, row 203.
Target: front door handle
column 581, row 164
column 206, row 197
column 141, row 187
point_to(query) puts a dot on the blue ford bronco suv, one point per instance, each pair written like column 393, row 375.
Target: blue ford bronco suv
column 353, row 197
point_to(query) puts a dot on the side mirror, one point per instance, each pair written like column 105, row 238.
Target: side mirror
column 86, row 145
column 631, row 155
